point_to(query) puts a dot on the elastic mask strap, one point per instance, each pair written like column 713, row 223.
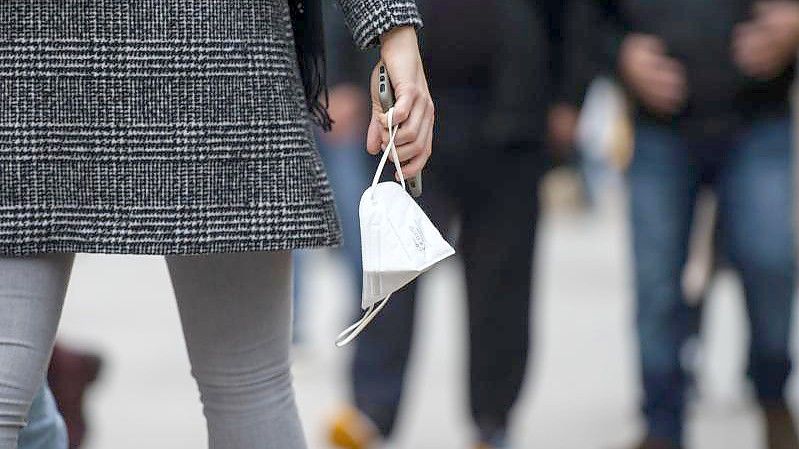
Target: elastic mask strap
column 349, row 334
column 390, row 149
column 371, row 312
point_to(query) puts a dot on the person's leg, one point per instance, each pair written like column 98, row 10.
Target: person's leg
column 236, row 315
column 381, row 358
column 32, row 292
column 383, row 349
column 45, row 428
column 663, row 183
column 497, row 243
column 757, row 209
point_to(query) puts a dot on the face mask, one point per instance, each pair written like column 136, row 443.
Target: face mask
column 398, row 241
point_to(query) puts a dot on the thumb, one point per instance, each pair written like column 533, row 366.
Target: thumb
column 373, row 135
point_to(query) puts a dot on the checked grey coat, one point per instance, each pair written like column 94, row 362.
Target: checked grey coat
column 162, row 126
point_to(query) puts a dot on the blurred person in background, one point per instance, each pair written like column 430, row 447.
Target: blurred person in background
column 204, row 155
column 710, row 82
column 342, row 150
column 71, row 373
column 44, row 428
column 56, row 417
column 493, row 90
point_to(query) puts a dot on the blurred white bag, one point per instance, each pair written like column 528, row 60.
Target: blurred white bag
column 398, row 241
column 602, row 126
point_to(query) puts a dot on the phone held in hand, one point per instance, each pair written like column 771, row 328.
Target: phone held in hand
column 386, row 95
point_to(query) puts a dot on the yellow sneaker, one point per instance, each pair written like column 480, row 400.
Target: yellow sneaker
column 351, row 429
column 500, row 444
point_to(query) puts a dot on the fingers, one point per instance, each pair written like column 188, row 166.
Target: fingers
column 658, row 80
column 663, row 85
column 413, row 125
column 374, row 136
column 416, row 154
column 406, row 97
column 753, row 51
column 420, row 145
column 409, row 131
column 764, row 46
column 415, row 165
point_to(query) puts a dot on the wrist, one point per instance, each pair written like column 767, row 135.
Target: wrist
column 397, row 40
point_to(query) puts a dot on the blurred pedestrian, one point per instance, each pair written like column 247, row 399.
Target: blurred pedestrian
column 493, row 90
column 342, row 149
column 710, row 81
column 57, row 421
column 44, row 428
column 179, row 129
column 70, row 374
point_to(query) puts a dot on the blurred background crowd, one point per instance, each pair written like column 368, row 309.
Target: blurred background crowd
column 618, row 179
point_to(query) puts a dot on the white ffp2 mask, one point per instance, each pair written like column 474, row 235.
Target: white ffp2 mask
column 398, row 241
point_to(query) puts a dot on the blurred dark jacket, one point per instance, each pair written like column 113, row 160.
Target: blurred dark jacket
column 515, row 59
column 346, row 64
column 509, row 56
column 699, row 34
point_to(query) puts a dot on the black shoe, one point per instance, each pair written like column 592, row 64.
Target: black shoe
column 780, row 430
column 653, row 443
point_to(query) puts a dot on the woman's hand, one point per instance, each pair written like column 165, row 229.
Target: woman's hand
column 413, row 108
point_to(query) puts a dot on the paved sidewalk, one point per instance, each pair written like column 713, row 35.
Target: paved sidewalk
column 583, row 384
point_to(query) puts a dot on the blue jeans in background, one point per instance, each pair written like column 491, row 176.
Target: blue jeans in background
column 45, row 429
column 752, row 173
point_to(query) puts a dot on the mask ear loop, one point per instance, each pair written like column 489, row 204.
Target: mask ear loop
column 391, row 149
column 349, row 334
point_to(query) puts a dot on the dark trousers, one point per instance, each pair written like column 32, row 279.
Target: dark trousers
column 493, row 195
column 752, row 173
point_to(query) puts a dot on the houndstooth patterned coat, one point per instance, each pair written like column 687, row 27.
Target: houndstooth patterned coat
column 162, row 126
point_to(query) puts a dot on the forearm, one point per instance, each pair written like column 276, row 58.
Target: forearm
column 370, row 19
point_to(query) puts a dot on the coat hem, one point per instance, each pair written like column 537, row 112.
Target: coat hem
column 24, row 249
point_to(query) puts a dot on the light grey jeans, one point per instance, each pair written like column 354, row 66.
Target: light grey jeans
column 236, row 316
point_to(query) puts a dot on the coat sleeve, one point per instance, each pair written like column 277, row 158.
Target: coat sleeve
column 368, row 19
